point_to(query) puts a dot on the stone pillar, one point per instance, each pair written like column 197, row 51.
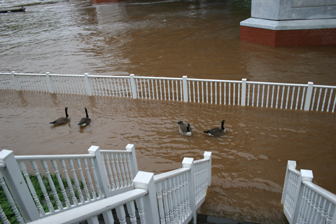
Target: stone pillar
column 291, row 23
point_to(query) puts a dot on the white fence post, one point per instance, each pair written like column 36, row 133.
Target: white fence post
column 15, row 81
column 243, row 93
column 290, row 164
column 87, row 84
column 207, row 155
column 133, row 162
column 100, row 169
column 49, row 82
column 185, row 88
column 189, row 163
column 18, row 187
column 308, row 96
column 133, row 86
column 305, row 175
column 145, row 180
column 102, row 178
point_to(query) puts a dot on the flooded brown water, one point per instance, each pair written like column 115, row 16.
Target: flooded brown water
column 199, row 39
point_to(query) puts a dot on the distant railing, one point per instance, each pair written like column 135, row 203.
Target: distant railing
column 308, row 97
column 304, row 201
column 101, row 182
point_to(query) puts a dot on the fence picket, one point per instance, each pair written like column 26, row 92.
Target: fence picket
column 259, row 94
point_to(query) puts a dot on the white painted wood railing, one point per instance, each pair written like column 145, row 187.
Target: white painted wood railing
column 101, row 182
column 304, row 201
column 227, row 92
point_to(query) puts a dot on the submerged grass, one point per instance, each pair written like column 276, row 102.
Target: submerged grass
column 7, row 208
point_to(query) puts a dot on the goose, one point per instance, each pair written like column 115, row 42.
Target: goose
column 216, row 131
column 85, row 120
column 62, row 120
column 184, row 129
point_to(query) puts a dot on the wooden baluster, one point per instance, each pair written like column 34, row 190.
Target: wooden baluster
column 10, row 200
column 72, row 192
column 131, row 212
column 297, row 98
column 107, row 178
column 121, row 214
column 160, row 202
column 330, row 96
column 287, row 97
column 88, row 197
column 60, row 182
column 93, row 192
column 168, row 87
column 119, row 171
column 31, row 188
column 3, row 216
column 131, row 174
column 45, row 193
column 110, row 170
column 178, row 199
column 115, row 172
column 174, row 197
column 95, row 178
column 52, row 185
column 198, row 92
column 127, row 173
column 160, row 89
column 282, row 96
column 156, row 87
column 324, row 99
column 141, row 210
column 170, row 200
column 165, row 200
column 80, row 194
column 121, row 162
column 153, row 92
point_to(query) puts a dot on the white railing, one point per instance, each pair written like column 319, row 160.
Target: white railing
column 74, row 188
column 304, row 201
column 227, row 92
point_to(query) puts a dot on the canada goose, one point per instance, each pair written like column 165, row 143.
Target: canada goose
column 62, row 120
column 216, row 131
column 184, row 129
column 85, row 120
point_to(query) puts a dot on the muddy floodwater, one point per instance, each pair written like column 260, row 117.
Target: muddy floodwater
column 197, row 38
column 249, row 161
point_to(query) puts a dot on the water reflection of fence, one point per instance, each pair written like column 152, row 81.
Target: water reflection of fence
column 227, row 92
column 304, row 201
column 73, row 188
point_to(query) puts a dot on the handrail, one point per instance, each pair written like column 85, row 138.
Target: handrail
column 170, row 174
column 321, row 191
column 52, row 157
column 87, row 211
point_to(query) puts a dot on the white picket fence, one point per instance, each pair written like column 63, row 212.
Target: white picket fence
column 101, row 182
column 304, row 201
column 308, row 97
